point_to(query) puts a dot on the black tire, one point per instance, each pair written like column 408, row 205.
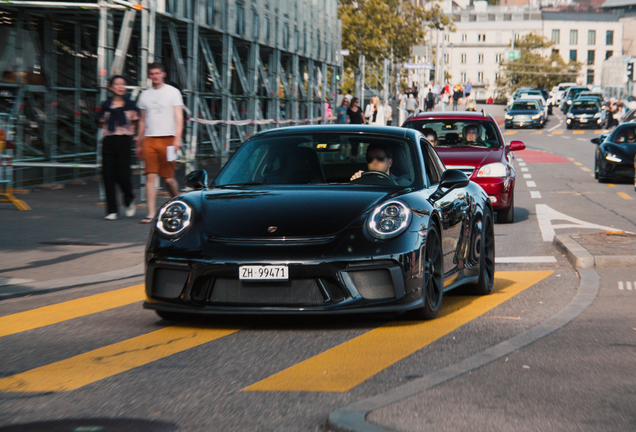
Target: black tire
column 507, row 215
column 486, row 250
column 433, row 280
column 569, row 126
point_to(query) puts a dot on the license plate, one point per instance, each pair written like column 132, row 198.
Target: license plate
column 583, row 120
column 277, row 272
column 520, row 123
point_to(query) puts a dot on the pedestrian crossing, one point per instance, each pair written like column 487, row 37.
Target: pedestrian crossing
column 559, row 132
column 338, row 369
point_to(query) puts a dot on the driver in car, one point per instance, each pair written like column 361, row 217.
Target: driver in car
column 379, row 158
column 471, row 135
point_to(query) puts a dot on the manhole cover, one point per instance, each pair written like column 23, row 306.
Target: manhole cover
column 92, row 425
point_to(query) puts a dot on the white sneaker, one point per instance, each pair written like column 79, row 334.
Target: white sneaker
column 112, row 216
column 131, row 209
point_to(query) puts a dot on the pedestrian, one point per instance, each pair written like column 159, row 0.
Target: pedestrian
column 159, row 134
column 341, row 111
column 388, row 113
column 411, row 104
column 355, row 116
column 467, row 90
column 375, row 112
column 471, row 106
column 612, row 114
column 430, row 100
column 339, row 98
column 457, row 96
column 349, row 96
column 402, row 100
column 437, row 90
column 327, row 108
column 118, row 119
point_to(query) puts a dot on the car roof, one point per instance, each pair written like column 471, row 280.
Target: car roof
column 453, row 115
column 586, row 99
column 377, row 130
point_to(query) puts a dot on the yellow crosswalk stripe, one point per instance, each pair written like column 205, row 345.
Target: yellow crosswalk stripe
column 578, row 163
column 598, row 132
column 537, row 132
column 578, row 132
column 557, row 132
column 345, row 366
column 65, row 311
column 87, row 368
column 510, row 132
column 624, row 196
column 586, row 169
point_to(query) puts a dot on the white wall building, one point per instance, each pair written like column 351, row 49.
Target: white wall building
column 588, row 38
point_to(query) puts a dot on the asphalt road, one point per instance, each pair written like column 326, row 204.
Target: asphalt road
column 92, row 352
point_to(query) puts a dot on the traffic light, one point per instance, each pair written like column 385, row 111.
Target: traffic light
column 337, row 77
column 630, row 71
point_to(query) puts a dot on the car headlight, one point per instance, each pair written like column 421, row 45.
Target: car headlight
column 174, row 219
column 570, row 115
column 597, row 115
column 509, row 117
column 496, row 169
column 613, row 158
column 536, row 116
column 569, row 102
column 389, row 219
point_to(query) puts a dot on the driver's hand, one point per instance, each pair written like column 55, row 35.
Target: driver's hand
column 356, row 175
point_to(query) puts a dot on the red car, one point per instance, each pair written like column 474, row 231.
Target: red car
column 472, row 142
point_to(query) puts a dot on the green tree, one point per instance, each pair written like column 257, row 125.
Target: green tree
column 534, row 68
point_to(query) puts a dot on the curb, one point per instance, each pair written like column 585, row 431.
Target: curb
column 579, row 257
column 352, row 418
column 43, row 287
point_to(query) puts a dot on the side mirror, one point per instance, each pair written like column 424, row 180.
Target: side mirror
column 451, row 179
column 197, row 180
column 517, row 146
column 595, row 141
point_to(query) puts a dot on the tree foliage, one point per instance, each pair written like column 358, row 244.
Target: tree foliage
column 534, row 68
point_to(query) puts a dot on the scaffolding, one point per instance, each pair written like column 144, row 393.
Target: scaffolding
column 242, row 66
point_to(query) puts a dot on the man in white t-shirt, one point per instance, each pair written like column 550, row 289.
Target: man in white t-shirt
column 159, row 134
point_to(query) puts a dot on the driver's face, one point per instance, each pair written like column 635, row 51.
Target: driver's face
column 379, row 161
column 471, row 135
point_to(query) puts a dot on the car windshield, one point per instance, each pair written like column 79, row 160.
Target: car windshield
column 453, row 133
column 524, row 106
column 573, row 92
column 585, row 105
column 624, row 134
column 316, row 158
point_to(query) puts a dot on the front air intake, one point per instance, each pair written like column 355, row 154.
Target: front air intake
column 373, row 284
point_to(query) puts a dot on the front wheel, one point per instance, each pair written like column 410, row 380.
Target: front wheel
column 507, row 215
column 486, row 249
column 433, row 281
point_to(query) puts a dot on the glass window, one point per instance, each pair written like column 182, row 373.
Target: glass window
column 555, row 51
column 556, row 36
column 240, row 19
column 574, row 37
column 462, row 77
column 591, row 57
column 608, row 54
column 591, row 37
column 256, row 25
column 524, row 106
column 573, row 55
column 480, row 77
column 450, row 132
column 315, row 158
column 609, row 37
column 590, row 76
column 463, row 58
column 480, row 58
column 464, row 37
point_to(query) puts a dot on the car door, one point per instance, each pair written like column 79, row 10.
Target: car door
column 453, row 208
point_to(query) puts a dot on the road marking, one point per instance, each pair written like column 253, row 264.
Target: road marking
column 523, row 260
column 537, row 133
column 611, row 185
column 65, row 311
column 578, row 132
column 545, row 216
column 624, row 196
column 628, row 285
column 345, row 366
column 578, row 163
column 582, row 139
column 527, row 176
column 586, row 169
column 557, row 132
column 566, row 137
column 621, row 286
column 571, row 159
column 552, row 129
column 510, row 132
column 522, row 164
column 531, row 184
column 13, row 281
column 524, row 169
column 519, row 159
column 87, row 368
column 598, row 132
column 535, row 194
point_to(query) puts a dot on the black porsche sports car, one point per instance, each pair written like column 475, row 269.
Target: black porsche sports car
column 615, row 155
column 284, row 229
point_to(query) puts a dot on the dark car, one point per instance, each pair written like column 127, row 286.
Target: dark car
column 486, row 160
column 569, row 96
column 595, row 95
column 284, row 229
column 614, row 160
column 585, row 112
column 524, row 113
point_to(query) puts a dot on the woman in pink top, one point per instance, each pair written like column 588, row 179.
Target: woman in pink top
column 118, row 120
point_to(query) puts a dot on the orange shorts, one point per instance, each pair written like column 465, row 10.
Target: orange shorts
column 156, row 158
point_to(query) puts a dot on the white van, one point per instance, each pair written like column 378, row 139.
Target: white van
column 558, row 91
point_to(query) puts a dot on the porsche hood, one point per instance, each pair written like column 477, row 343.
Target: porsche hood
column 276, row 212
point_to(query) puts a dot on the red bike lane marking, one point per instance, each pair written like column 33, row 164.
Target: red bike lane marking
column 536, row 156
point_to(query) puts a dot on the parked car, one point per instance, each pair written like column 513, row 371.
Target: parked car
column 291, row 226
column 487, row 159
column 525, row 113
column 616, row 154
column 585, row 112
column 570, row 94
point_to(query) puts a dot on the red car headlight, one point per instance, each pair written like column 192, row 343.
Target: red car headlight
column 496, row 169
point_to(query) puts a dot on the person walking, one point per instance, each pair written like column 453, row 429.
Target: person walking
column 457, row 95
column 341, row 111
column 430, row 100
column 467, row 91
column 159, row 134
column 355, row 116
column 411, row 104
column 388, row 113
column 118, row 119
column 375, row 112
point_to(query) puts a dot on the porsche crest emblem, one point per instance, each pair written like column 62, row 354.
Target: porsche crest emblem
column 272, row 229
